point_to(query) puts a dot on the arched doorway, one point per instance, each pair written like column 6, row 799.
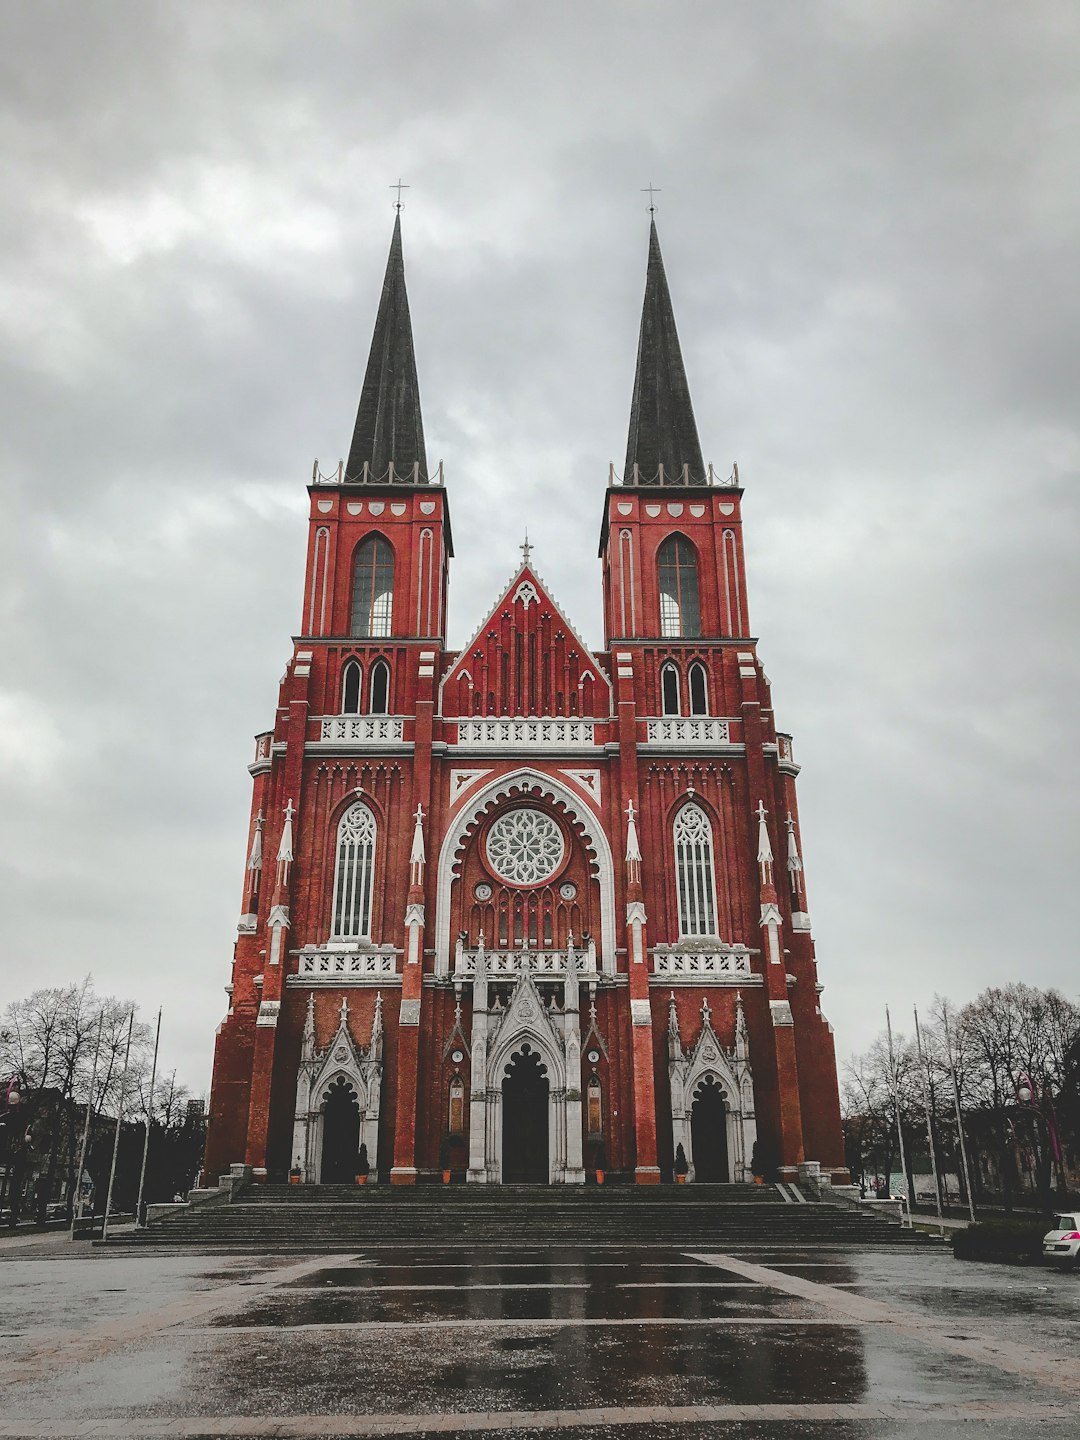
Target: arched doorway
column 525, row 1120
column 708, row 1133
column 341, row 1134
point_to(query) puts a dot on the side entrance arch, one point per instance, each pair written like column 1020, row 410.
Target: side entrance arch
column 340, row 1134
column 708, row 1133
column 525, row 1120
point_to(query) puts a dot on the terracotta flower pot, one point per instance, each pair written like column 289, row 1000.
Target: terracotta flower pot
column 361, row 1179
column 294, row 1179
column 446, row 1177
column 680, row 1179
column 599, row 1177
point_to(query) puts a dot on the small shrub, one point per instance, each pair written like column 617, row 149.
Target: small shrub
column 1000, row 1240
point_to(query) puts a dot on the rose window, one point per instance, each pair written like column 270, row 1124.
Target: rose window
column 525, row 847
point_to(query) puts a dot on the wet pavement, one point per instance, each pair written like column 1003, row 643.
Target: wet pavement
column 637, row 1344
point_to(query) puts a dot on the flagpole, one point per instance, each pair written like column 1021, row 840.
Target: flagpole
column 86, row 1122
column 146, row 1137
column 908, row 1184
column 119, row 1117
column 959, row 1120
column 929, row 1122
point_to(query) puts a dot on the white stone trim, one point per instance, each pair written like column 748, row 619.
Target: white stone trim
column 506, row 786
column 800, row 920
column 726, row 964
column 527, row 733
column 358, row 966
column 677, row 730
column 267, row 1018
column 781, row 1013
column 360, row 730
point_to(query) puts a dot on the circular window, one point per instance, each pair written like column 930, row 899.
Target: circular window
column 483, row 891
column 525, row 847
column 568, row 890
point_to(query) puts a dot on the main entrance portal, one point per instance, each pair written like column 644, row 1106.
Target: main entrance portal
column 708, row 1133
column 525, row 1120
column 341, row 1135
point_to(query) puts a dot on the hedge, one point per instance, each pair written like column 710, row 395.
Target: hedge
column 1000, row 1240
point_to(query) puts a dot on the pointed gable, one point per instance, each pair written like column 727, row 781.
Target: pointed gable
column 526, row 659
column 663, row 431
column 389, row 427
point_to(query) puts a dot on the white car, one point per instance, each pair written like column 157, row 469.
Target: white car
column 1061, row 1245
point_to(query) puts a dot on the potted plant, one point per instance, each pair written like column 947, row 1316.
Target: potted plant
column 445, row 1149
column 295, row 1175
column 362, row 1166
column 681, row 1166
column 597, row 1160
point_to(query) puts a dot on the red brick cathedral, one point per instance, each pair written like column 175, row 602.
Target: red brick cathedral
column 524, row 911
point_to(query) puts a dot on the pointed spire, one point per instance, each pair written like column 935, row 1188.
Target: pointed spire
column 742, row 1040
column 389, row 427
column 255, row 858
column 662, row 427
column 307, row 1046
column 633, row 849
column 285, row 849
column 764, row 845
column 417, row 856
column 794, row 864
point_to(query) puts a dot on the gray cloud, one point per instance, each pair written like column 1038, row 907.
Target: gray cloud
column 870, row 221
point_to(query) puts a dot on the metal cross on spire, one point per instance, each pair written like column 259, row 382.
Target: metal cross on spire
column 526, row 549
column 652, row 192
column 398, row 187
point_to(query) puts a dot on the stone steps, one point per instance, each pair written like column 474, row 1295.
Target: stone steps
column 327, row 1217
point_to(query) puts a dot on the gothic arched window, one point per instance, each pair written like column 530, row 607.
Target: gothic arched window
column 677, row 571
column 373, row 587
column 379, row 689
column 669, row 690
column 699, row 690
column 354, row 874
column 351, row 677
column 695, row 876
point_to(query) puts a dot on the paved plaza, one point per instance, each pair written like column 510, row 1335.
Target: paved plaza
column 615, row 1342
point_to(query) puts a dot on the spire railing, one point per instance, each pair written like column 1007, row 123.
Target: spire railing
column 679, row 478
column 412, row 474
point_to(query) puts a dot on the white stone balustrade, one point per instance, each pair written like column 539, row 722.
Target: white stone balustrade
column 509, row 964
column 515, row 733
column 358, row 967
column 678, row 731
column 725, row 965
column 361, row 729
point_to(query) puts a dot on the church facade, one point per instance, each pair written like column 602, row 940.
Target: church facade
column 525, row 911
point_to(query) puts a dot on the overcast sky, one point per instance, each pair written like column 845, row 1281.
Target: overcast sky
column 870, row 216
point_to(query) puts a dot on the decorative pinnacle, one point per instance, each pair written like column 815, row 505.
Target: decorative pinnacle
column 398, row 187
column 652, row 192
column 526, row 549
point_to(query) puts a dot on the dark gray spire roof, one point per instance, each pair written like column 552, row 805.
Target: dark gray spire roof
column 388, row 423
column 662, row 427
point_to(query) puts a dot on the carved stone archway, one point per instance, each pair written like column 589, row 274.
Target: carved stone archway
column 512, row 786
column 729, row 1071
column 342, row 1061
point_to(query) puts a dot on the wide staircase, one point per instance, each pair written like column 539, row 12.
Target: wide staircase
column 339, row 1217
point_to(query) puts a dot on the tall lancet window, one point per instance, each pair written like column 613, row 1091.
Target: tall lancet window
column 677, row 567
column 350, row 688
column 699, row 690
column 695, row 875
column 379, row 693
column 373, row 587
column 669, row 690
column 354, row 874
